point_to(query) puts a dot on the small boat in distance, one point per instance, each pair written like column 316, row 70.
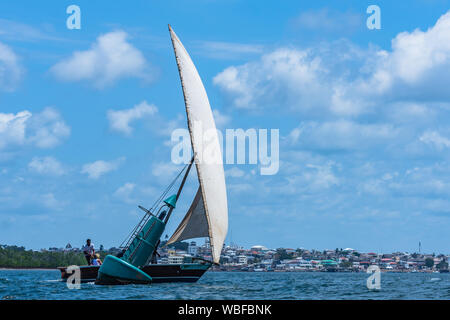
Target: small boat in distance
column 206, row 217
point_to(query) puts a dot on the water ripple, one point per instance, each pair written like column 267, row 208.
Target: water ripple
column 45, row 284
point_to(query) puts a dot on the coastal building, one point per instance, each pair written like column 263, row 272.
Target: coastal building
column 261, row 258
column 192, row 248
column 242, row 259
column 175, row 259
column 259, row 248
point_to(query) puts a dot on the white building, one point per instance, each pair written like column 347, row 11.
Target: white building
column 242, row 259
column 175, row 259
column 192, row 248
column 259, row 248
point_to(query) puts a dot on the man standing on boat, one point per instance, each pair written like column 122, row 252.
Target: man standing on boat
column 88, row 251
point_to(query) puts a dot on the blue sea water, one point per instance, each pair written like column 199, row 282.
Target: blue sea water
column 45, row 284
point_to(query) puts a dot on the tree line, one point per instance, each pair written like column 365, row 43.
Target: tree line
column 18, row 257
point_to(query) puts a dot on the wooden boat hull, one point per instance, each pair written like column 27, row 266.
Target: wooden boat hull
column 186, row 272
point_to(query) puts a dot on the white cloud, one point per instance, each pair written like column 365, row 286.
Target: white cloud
column 165, row 169
column 109, row 59
column 304, row 177
column 50, row 201
column 18, row 31
column 340, row 79
column 341, row 134
column 98, row 168
column 227, row 50
column 124, row 192
column 12, row 128
column 322, row 177
column 120, row 120
column 435, row 139
column 420, row 52
column 48, row 128
column 285, row 75
column 325, row 19
column 43, row 130
column 234, row 172
column 10, row 69
column 424, row 182
column 417, row 67
column 240, row 188
column 46, row 166
column 221, row 119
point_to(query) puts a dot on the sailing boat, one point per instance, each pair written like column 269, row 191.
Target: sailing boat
column 206, row 217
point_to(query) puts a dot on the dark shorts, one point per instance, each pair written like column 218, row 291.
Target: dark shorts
column 88, row 259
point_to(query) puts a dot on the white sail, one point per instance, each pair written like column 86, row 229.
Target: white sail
column 208, row 157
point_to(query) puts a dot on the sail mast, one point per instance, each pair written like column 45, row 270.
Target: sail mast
column 179, row 189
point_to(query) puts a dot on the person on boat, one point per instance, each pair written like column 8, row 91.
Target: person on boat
column 96, row 261
column 153, row 260
column 89, row 251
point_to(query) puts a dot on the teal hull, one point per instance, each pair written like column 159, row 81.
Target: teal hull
column 116, row 269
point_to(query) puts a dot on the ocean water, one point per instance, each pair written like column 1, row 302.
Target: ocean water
column 45, row 284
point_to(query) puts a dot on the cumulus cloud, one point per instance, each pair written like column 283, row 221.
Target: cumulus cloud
column 425, row 182
column 48, row 128
column 43, row 130
column 46, row 166
column 221, row 119
column 435, row 139
column 124, row 192
column 341, row 134
column 49, row 200
column 98, row 168
column 10, row 69
column 321, row 177
column 120, row 120
column 344, row 80
column 417, row 66
column 234, row 172
column 283, row 71
column 304, row 176
column 109, row 59
column 12, row 128
column 165, row 169
column 419, row 53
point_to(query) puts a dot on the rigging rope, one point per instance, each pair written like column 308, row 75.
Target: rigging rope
column 157, row 202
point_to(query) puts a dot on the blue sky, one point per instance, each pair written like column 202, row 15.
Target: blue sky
column 86, row 117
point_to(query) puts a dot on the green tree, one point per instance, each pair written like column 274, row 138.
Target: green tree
column 442, row 265
column 282, row 254
column 346, row 264
column 18, row 257
column 429, row 262
column 181, row 245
